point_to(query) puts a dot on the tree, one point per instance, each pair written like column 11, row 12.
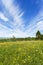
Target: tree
column 41, row 37
column 38, row 34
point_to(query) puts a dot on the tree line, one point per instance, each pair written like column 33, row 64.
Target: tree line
column 39, row 36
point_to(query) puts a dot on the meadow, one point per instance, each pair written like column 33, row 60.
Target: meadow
column 21, row 53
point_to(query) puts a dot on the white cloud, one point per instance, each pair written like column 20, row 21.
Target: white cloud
column 19, row 33
column 5, row 31
column 15, row 11
column 35, row 24
column 3, row 17
column 40, row 25
column 18, row 21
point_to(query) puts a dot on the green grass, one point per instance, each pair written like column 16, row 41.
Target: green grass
column 21, row 53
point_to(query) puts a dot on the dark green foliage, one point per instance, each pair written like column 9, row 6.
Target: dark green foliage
column 39, row 35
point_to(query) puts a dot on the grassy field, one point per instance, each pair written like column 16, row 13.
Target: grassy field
column 21, row 53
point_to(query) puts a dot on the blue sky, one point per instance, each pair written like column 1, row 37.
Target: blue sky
column 21, row 18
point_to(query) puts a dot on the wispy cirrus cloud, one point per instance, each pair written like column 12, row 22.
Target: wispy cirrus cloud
column 40, row 25
column 35, row 26
column 36, row 23
column 5, row 31
column 3, row 17
column 15, row 12
column 18, row 23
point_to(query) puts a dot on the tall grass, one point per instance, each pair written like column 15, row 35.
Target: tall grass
column 21, row 53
